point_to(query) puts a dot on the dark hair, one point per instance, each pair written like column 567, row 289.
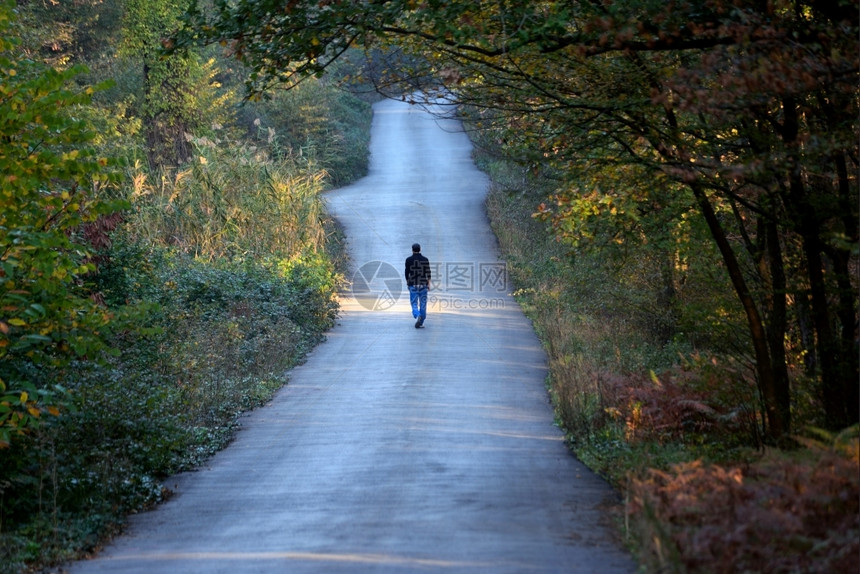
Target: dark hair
column 416, row 248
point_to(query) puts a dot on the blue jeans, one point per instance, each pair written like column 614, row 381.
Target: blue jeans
column 418, row 300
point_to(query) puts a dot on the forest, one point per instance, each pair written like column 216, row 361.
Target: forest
column 675, row 191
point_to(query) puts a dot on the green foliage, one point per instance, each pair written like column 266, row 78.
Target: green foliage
column 177, row 89
column 134, row 341
column 315, row 283
column 146, row 22
column 236, row 320
column 48, row 192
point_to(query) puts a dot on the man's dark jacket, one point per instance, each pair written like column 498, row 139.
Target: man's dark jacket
column 417, row 270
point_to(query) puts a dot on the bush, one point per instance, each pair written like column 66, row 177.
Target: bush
column 798, row 513
column 50, row 189
column 218, row 341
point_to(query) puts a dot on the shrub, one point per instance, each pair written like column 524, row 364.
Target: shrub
column 797, row 513
column 218, row 341
column 53, row 183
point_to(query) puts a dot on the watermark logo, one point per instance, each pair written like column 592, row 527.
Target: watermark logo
column 376, row 286
column 468, row 277
column 493, row 277
column 445, row 302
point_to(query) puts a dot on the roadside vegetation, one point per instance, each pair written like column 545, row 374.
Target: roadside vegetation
column 674, row 188
column 677, row 194
column 165, row 258
column 674, row 425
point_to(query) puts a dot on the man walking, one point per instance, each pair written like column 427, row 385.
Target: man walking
column 418, row 280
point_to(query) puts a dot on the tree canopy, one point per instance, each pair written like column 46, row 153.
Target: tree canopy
column 742, row 111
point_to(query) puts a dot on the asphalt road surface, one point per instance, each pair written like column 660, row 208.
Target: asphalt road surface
column 396, row 449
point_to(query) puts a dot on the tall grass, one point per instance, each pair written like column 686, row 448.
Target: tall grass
column 232, row 202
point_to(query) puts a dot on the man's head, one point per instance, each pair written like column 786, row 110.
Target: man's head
column 416, row 248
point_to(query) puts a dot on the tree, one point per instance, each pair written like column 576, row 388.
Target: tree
column 48, row 191
column 751, row 107
column 167, row 109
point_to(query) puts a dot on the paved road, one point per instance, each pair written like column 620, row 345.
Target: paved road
column 395, row 449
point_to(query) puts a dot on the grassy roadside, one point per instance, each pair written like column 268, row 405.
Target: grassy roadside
column 227, row 271
column 671, row 425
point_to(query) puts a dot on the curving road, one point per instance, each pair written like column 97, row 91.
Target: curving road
column 395, row 449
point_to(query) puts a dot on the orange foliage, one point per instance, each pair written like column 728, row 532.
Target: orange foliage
column 97, row 233
column 680, row 403
column 774, row 516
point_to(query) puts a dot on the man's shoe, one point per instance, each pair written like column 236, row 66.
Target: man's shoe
column 419, row 323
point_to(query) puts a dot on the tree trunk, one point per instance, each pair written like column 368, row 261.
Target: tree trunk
column 836, row 353
column 777, row 322
column 770, row 386
column 166, row 145
column 666, row 321
column 847, row 307
column 807, row 334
